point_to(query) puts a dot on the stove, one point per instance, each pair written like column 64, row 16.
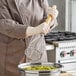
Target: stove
column 60, row 36
column 63, row 49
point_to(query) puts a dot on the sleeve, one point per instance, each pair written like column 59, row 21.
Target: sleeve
column 45, row 3
column 45, row 6
column 10, row 27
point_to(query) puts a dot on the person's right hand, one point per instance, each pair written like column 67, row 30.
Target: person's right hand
column 42, row 28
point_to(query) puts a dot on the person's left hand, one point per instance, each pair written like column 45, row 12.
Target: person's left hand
column 53, row 11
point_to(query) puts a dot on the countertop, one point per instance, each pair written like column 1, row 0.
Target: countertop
column 69, row 73
column 65, row 74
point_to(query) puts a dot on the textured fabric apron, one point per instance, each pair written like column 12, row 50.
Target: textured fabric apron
column 15, row 17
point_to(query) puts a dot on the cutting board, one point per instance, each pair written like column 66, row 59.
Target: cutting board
column 65, row 74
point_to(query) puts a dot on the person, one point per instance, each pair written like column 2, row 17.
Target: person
column 20, row 22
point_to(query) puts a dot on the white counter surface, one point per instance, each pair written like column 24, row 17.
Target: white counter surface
column 72, row 73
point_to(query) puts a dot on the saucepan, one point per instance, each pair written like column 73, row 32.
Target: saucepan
column 40, row 69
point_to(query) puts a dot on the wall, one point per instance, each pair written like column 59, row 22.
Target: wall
column 61, row 17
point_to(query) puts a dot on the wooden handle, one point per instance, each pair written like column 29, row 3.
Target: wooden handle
column 54, row 7
column 49, row 18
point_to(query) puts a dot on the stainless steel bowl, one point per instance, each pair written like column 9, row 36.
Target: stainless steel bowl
column 55, row 72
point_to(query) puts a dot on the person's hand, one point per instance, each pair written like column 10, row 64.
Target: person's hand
column 43, row 28
column 53, row 11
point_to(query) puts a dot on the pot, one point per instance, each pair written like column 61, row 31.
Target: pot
column 54, row 72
